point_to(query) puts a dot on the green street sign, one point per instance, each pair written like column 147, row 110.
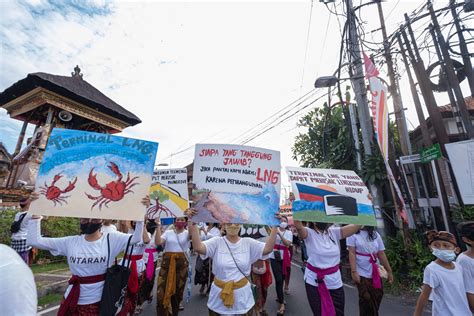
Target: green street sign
column 430, row 153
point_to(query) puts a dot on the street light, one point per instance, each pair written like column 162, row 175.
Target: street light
column 325, row 82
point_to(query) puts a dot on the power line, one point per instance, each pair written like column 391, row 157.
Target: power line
column 283, row 120
column 307, row 42
column 281, row 115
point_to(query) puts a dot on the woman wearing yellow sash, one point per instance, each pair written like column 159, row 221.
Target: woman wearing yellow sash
column 233, row 256
column 174, row 268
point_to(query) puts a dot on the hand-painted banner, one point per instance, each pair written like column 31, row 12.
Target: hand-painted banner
column 330, row 196
column 236, row 184
column 94, row 175
column 168, row 193
column 378, row 105
column 380, row 119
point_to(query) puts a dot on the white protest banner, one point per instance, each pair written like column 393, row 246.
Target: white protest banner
column 236, row 184
column 461, row 156
column 330, row 196
column 168, row 193
column 93, row 175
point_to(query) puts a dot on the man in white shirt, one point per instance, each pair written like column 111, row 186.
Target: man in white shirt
column 19, row 230
column 14, row 272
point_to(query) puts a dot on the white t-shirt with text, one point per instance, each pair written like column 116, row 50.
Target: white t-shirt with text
column 85, row 258
column 323, row 252
column 448, row 291
column 363, row 244
column 246, row 251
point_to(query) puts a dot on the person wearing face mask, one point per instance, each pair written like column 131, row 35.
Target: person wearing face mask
column 466, row 259
column 280, row 261
column 174, row 267
column 233, row 256
column 323, row 282
column 443, row 280
column 87, row 257
column 366, row 249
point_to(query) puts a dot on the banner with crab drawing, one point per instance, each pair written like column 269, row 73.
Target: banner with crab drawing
column 93, row 175
column 168, row 194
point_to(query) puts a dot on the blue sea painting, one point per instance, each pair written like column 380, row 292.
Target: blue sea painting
column 93, row 175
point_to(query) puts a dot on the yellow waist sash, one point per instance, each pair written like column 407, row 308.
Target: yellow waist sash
column 227, row 293
column 170, row 287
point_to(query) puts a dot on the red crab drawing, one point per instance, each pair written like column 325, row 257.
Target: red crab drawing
column 112, row 191
column 53, row 193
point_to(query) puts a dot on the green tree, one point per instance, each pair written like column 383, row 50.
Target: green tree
column 327, row 142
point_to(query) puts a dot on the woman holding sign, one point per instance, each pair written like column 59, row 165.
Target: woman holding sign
column 365, row 249
column 88, row 258
column 174, row 267
column 323, row 282
column 233, row 256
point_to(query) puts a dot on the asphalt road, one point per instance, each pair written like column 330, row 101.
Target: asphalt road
column 297, row 304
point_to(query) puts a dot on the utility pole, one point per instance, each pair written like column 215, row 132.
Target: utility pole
column 423, row 81
column 416, row 98
column 412, row 182
column 394, row 91
column 430, row 103
column 356, row 73
column 452, row 100
column 449, row 67
column 463, row 47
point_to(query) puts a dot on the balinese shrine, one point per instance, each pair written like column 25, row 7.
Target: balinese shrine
column 47, row 101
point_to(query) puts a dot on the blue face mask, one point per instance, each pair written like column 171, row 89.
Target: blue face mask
column 444, row 255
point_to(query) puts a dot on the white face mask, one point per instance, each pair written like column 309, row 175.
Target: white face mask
column 283, row 225
column 444, row 255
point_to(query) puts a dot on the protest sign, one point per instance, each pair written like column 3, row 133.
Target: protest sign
column 461, row 157
column 168, row 194
column 236, row 184
column 330, row 196
column 94, row 175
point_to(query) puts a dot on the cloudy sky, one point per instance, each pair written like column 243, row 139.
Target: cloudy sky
column 193, row 71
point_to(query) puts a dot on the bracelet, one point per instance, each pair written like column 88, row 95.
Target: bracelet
column 353, row 271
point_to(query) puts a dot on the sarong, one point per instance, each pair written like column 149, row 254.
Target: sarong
column 171, row 261
column 369, row 297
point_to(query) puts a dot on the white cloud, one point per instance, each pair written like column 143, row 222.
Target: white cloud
column 192, row 71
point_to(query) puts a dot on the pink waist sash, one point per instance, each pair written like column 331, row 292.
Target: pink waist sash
column 149, row 265
column 327, row 305
column 376, row 280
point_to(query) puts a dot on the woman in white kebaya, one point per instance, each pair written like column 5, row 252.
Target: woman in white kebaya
column 88, row 259
column 174, row 268
column 366, row 251
column 322, row 276
column 233, row 256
